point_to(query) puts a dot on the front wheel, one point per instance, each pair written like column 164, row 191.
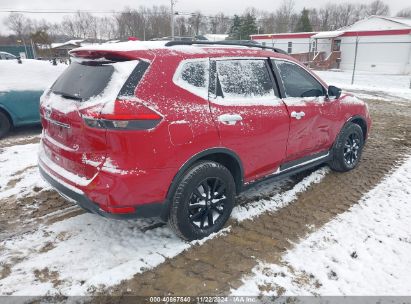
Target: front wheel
column 203, row 201
column 347, row 149
column 5, row 124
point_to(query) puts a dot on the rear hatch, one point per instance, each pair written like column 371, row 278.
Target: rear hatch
column 84, row 87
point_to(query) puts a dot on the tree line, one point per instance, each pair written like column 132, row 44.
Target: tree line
column 153, row 22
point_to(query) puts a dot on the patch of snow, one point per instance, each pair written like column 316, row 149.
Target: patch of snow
column 111, row 167
column 141, row 46
column 303, row 101
column 222, row 232
column 327, row 34
column 278, row 200
column 88, row 251
column 122, row 71
column 268, row 101
column 216, row 37
column 351, row 100
column 365, row 251
column 31, row 75
column 19, row 163
column 385, row 85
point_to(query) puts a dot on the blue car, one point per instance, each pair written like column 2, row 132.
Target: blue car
column 21, row 85
column 18, row 108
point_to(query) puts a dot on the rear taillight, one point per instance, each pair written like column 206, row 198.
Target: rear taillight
column 122, row 115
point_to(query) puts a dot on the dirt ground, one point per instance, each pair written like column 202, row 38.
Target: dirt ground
column 21, row 136
column 219, row 264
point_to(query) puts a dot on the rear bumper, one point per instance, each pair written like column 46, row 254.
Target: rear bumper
column 78, row 196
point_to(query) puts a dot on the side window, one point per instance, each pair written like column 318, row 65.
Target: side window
column 297, row 81
column 244, row 79
column 193, row 76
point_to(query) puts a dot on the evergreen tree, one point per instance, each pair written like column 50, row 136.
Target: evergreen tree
column 235, row 29
column 248, row 26
column 303, row 24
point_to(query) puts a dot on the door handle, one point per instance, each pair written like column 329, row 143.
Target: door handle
column 297, row 115
column 229, row 119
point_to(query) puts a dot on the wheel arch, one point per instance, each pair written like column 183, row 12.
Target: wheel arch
column 224, row 156
column 359, row 120
column 5, row 112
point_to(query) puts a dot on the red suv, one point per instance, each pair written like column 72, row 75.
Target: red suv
column 172, row 130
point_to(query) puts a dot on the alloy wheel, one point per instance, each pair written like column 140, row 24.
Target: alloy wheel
column 206, row 203
column 352, row 149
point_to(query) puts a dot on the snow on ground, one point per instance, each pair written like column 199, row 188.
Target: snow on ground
column 86, row 251
column 83, row 252
column 19, row 172
column 365, row 251
column 30, row 75
column 279, row 199
column 394, row 85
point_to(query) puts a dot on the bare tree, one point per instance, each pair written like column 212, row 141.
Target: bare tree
column 197, row 22
column 153, row 22
column 405, row 12
column 223, row 23
column 314, row 19
column 18, row 24
column 283, row 16
column 106, row 27
column 267, row 22
column 379, row 8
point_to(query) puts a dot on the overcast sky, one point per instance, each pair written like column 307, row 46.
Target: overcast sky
column 229, row 7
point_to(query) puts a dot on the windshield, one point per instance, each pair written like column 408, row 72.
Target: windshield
column 81, row 81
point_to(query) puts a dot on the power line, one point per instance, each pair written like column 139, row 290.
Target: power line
column 54, row 11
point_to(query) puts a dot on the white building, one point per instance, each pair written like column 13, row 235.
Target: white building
column 384, row 45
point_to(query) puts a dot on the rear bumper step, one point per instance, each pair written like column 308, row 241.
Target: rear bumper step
column 141, row 211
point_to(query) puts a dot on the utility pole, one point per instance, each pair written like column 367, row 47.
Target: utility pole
column 172, row 18
column 355, row 60
column 33, row 49
column 25, row 48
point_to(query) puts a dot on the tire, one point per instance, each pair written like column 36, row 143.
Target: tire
column 347, row 149
column 5, row 124
column 203, row 201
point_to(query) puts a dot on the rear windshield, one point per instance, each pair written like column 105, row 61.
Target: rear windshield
column 83, row 81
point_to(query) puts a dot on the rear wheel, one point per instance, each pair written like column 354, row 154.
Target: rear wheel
column 347, row 149
column 5, row 124
column 203, row 201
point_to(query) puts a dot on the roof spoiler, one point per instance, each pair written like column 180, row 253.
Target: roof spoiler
column 227, row 42
column 113, row 56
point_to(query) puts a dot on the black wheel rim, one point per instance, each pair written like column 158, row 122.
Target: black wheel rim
column 207, row 203
column 352, row 149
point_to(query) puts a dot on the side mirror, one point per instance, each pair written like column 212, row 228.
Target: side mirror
column 334, row 92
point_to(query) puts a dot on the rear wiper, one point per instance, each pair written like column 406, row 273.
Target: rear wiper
column 67, row 95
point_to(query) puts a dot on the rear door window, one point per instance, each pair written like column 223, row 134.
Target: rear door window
column 83, row 81
column 241, row 79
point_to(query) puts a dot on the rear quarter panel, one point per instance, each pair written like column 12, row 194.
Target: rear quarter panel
column 22, row 106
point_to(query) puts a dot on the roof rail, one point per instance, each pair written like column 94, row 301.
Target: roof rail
column 227, row 42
